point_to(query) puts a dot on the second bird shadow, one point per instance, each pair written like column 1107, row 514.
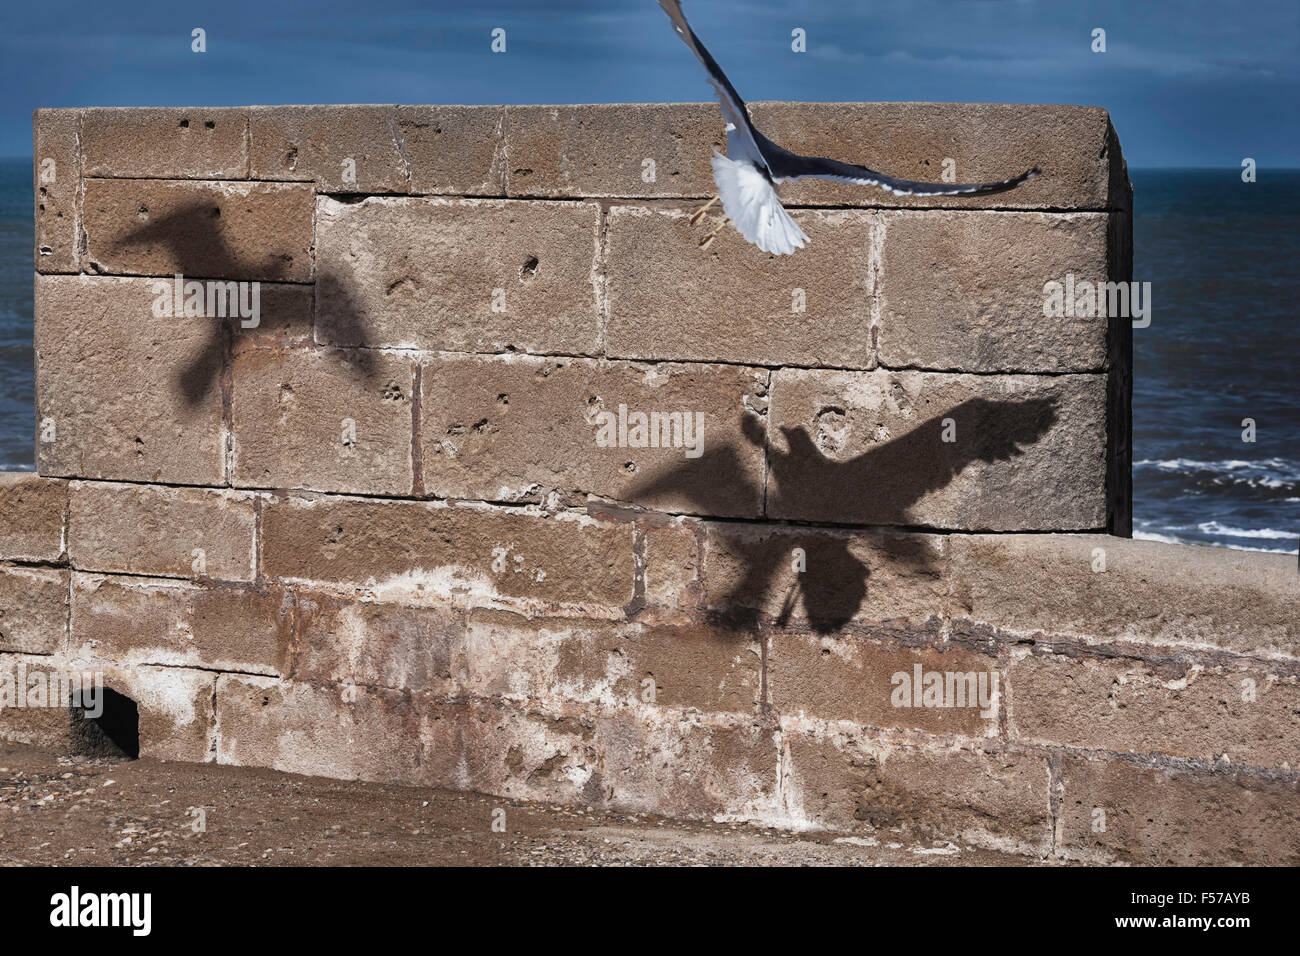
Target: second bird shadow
column 193, row 239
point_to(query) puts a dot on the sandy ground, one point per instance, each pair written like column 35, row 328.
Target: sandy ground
column 87, row 811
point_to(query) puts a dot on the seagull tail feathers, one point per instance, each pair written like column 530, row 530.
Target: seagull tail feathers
column 751, row 203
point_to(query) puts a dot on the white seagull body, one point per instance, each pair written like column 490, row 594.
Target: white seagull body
column 748, row 175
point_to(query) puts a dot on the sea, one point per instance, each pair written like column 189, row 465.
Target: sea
column 1220, row 362
column 1216, row 376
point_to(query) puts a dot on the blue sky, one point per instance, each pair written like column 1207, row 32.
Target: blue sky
column 1187, row 84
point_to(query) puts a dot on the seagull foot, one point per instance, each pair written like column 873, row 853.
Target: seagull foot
column 707, row 240
column 699, row 213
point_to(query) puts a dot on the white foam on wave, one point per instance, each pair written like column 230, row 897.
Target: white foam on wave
column 1282, row 465
column 1163, row 538
column 1214, row 527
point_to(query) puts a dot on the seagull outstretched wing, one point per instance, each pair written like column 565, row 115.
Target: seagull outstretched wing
column 783, row 164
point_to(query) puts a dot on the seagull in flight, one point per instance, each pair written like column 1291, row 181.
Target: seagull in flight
column 754, row 165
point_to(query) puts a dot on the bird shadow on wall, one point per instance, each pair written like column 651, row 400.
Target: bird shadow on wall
column 899, row 472
column 192, row 238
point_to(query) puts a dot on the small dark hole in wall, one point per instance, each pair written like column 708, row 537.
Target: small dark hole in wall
column 114, row 733
column 209, row 125
column 185, row 124
column 216, row 212
column 529, row 268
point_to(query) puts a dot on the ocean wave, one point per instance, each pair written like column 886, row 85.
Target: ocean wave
column 1270, row 478
column 1227, row 545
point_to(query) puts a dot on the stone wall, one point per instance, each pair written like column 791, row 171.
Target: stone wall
column 379, row 535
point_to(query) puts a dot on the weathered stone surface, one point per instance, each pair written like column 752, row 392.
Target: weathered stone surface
column 342, row 149
column 517, row 753
column 330, row 731
column 454, row 150
column 31, row 516
column 710, row 669
column 672, row 564
column 602, row 150
column 964, row 290
column 996, row 797
column 284, row 319
column 445, row 741
column 1150, row 592
column 33, row 609
column 34, row 723
column 1177, row 817
column 873, row 680
column 132, row 620
column 373, row 644
column 518, row 428
column 218, row 230
column 323, row 419
column 1240, row 711
column 1027, row 452
column 858, row 577
column 512, row 655
column 475, row 275
column 56, row 174
column 668, row 299
column 165, row 143
column 150, row 529
column 685, row 766
column 619, row 665
column 94, row 335
column 461, row 553
column 451, row 150
column 1073, row 145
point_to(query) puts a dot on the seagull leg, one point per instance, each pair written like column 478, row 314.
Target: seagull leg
column 699, row 213
column 704, row 244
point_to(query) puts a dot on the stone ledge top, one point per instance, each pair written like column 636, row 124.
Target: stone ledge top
column 611, row 150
